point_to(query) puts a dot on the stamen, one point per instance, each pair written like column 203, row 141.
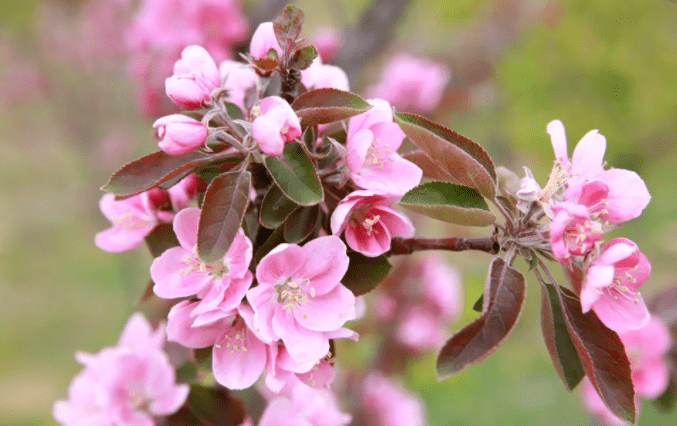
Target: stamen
column 291, row 295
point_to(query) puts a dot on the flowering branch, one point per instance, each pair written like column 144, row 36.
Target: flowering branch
column 409, row 245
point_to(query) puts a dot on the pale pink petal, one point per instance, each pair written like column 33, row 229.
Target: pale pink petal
column 138, row 334
column 303, row 345
column 652, row 378
column 327, row 312
column 261, row 298
column 596, row 278
column 559, row 141
column 239, row 255
column 380, row 111
column 170, row 280
column 628, row 195
column 285, row 261
column 180, row 329
column 185, row 227
column 238, row 357
column 398, row 224
column 266, row 132
column 397, row 176
column 369, row 244
column 389, row 134
column 341, row 215
column 326, row 262
column 588, row 158
column 356, row 149
column 622, row 314
column 117, row 239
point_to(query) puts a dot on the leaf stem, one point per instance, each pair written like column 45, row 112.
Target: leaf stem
column 409, row 245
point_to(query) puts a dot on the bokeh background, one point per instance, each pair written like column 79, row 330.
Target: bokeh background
column 69, row 117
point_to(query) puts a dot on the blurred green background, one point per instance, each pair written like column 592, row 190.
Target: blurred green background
column 64, row 126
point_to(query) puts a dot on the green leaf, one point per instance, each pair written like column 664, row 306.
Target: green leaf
column 276, row 238
column 365, row 273
column 216, row 406
column 449, row 203
column 154, row 169
column 504, row 294
column 301, row 224
column 557, row 339
column 186, row 373
column 296, row 175
column 303, row 57
column 321, row 106
column 477, row 307
column 463, row 160
column 221, row 215
column 275, row 208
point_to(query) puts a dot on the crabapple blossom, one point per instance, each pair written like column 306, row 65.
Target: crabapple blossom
column 180, row 134
column 181, row 194
column 320, row 76
column 179, row 271
column 572, row 231
column 369, row 222
column 411, row 83
column 282, row 369
column 133, row 219
column 387, row 403
column 645, row 349
column 263, row 40
column 238, row 78
column 328, row 42
column 299, row 298
column 277, row 125
column 442, row 288
column 610, row 286
column 371, row 152
column 125, row 385
column 195, row 78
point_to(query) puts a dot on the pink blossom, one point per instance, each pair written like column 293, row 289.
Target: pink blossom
column 125, row 385
column 320, row 76
column 133, row 218
column 238, row 355
column 411, row 83
column 185, row 191
column 328, row 42
column 222, row 25
column 572, row 231
column 263, row 40
column 276, row 125
column 179, row 271
column 371, row 152
column 370, row 222
column 420, row 330
column 596, row 406
column 387, row 403
column 283, row 369
column 238, row 79
column 442, row 288
column 300, row 299
column 180, row 134
column 610, row 286
column 195, row 78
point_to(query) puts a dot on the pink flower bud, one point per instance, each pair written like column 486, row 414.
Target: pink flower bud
column 263, row 40
column 276, row 125
column 180, row 134
column 195, row 77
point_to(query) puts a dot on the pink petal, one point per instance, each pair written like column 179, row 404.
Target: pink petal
column 369, row 244
column 357, row 148
column 237, row 364
column 262, row 300
column 628, row 195
column 180, row 329
column 185, row 227
column 327, row 312
column 622, row 314
column 396, row 177
column 398, row 224
column 139, row 335
column 596, row 278
column 285, row 261
column 303, row 345
column 388, row 133
column 559, row 141
column 326, row 262
column 380, row 112
column 266, row 132
column 239, row 255
column 588, row 158
column 341, row 215
column 170, row 281
column 116, row 239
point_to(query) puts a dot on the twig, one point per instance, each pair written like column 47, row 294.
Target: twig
column 410, row 245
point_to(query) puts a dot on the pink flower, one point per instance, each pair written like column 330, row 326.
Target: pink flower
column 283, row 369
column 370, row 222
column 572, row 231
column 238, row 355
column 319, row 76
column 328, row 42
column 411, row 83
column 179, row 271
column 387, row 403
column 195, row 77
column 180, row 134
column 185, row 191
column 133, row 219
column 263, row 40
column 596, row 406
column 610, row 286
column 371, row 152
column 442, row 288
column 420, row 330
column 125, row 385
column 238, row 79
column 276, row 125
column 222, row 25
column 300, row 299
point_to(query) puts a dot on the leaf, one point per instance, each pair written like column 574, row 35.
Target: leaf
column 296, row 175
column 557, row 339
column 602, row 355
column 303, row 57
column 462, row 159
column 153, row 169
column 276, row 238
column 287, row 26
column 275, row 208
column 365, row 273
column 477, row 307
column 667, row 401
column 430, row 169
column 161, row 238
column 504, row 293
column 321, row 106
column 301, row 224
column 449, row 203
column 216, row 406
column 186, row 373
column 183, row 417
column 221, row 215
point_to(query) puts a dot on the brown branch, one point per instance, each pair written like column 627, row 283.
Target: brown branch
column 410, row 245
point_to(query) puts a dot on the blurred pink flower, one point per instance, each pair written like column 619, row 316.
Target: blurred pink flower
column 411, row 83
column 320, row 76
column 277, row 125
column 328, row 42
column 238, row 79
column 386, row 403
column 180, row 134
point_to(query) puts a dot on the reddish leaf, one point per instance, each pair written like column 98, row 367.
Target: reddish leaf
column 287, row 26
column 222, row 212
column 557, row 339
column 602, row 355
column 301, row 223
column 153, row 169
column 321, row 106
column 216, row 406
column 303, row 57
column 430, row 169
column 161, row 238
column 504, row 293
column 459, row 157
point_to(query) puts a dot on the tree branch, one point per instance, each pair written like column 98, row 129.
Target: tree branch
column 410, row 245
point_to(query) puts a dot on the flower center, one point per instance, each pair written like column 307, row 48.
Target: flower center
column 216, row 269
column 137, row 397
column 581, row 236
column 618, row 288
column 130, row 222
column 292, row 295
column 377, row 154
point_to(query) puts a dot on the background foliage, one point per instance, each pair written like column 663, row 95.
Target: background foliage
column 517, row 65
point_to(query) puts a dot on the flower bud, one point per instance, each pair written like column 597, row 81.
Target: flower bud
column 195, row 77
column 276, row 125
column 180, row 134
column 263, row 40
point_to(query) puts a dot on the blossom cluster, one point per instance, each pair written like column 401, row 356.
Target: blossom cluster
column 583, row 201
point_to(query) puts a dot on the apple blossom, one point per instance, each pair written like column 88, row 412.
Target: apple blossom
column 572, row 231
column 387, row 403
column 195, row 78
column 319, row 76
column 328, row 42
column 277, row 125
column 180, row 134
column 263, row 40
column 238, row 78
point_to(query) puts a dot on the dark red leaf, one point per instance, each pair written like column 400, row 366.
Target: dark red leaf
column 504, row 293
column 430, row 169
column 216, row 406
column 321, row 106
column 301, row 223
column 287, row 27
column 161, row 238
column 153, row 169
column 222, row 212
